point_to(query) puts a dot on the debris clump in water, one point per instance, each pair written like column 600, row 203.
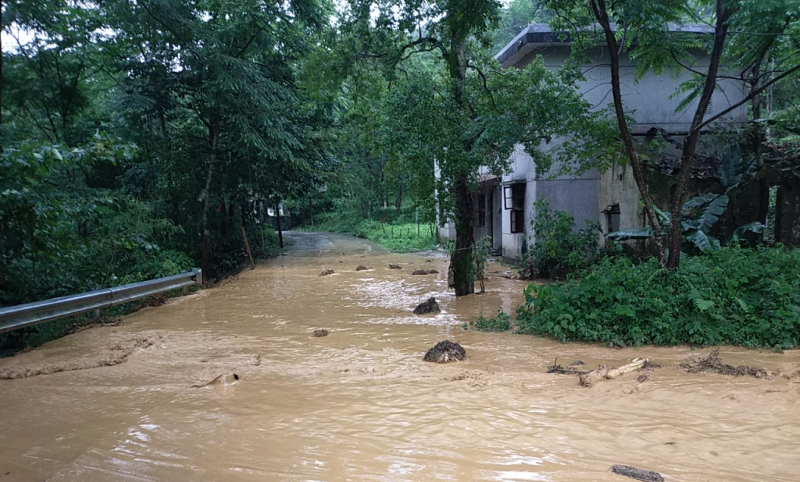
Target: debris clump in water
column 225, row 379
column 713, row 364
column 424, row 271
column 395, row 266
column 361, row 267
column 444, row 352
column 638, row 474
column 429, row 306
column 647, row 370
column 327, row 272
column 562, row 370
column 319, row 333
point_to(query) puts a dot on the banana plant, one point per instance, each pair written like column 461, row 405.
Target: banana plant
column 702, row 212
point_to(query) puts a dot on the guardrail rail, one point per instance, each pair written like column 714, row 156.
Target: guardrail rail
column 30, row 314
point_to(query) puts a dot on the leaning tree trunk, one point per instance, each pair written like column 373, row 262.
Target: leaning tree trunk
column 213, row 132
column 462, row 259
column 691, row 140
column 601, row 15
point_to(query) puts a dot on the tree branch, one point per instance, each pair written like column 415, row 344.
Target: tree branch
column 746, row 99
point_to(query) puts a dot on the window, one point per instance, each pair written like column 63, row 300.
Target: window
column 514, row 200
column 612, row 218
column 480, row 211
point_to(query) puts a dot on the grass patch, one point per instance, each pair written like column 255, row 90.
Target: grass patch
column 747, row 297
column 398, row 238
column 500, row 322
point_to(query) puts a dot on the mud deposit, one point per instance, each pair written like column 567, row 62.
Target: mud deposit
column 362, row 405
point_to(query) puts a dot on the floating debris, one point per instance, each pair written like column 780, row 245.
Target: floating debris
column 647, row 370
column 327, row 272
column 713, row 364
column 638, row 474
column 429, row 306
column 395, row 266
column 424, row 271
column 577, row 362
column 361, row 267
column 319, row 333
column 226, row 379
column 444, row 352
column 562, row 370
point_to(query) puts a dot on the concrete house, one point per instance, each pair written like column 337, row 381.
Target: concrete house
column 504, row 203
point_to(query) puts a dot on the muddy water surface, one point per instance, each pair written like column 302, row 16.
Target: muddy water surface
column 360, row 404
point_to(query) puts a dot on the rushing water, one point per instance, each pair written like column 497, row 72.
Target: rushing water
column 360, row 404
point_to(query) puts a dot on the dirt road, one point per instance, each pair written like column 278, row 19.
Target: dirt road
column 360, row 404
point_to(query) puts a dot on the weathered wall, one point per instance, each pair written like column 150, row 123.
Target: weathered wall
column 617, row 186
column 647, row 99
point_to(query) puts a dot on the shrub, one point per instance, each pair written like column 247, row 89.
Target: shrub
column 559, row 249
column 731, row 296
column 501, row 322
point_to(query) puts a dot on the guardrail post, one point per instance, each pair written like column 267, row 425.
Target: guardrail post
column 198, row 276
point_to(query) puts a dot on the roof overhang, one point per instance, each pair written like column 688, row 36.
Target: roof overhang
column 540, row 35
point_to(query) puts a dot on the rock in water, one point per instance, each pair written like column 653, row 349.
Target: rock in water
column 445, row 351
column 429, row 306
column 424, row 271
column 361, row 267
column 638, row 474
column 327, row 272
column 319, row 333
column 394, row 266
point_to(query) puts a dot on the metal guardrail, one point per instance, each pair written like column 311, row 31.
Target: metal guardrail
column 29, row 314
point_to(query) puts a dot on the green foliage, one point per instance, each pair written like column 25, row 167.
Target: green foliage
column 397, row 237
column 498, row 323
column 748, row 297
column 559, row 249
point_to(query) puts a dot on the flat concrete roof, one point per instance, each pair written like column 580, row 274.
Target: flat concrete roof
column 541, row 35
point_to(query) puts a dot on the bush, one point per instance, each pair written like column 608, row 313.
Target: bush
column 731, row 296
column 501, row 322
column 559, row 249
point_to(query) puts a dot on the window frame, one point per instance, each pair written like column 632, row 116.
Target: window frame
column 515, row 192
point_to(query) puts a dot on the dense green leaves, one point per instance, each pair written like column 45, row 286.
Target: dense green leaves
column 731, row 296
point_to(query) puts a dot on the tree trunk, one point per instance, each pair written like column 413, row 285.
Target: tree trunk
column 756, row 139
column 398, row 200
column 462, row 260
column 278, row 222
column 691, row 140
column 213, row 132
column 601, row 15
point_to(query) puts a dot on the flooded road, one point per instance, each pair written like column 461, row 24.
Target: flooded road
column 360, row 404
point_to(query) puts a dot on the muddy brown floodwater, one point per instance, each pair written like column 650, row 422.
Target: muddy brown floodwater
column 360, row 404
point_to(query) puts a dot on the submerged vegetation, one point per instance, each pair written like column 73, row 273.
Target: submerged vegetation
column 499, row 322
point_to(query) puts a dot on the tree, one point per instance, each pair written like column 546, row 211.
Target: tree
column 462, row 111
column 642, row 31
column 228, row 66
